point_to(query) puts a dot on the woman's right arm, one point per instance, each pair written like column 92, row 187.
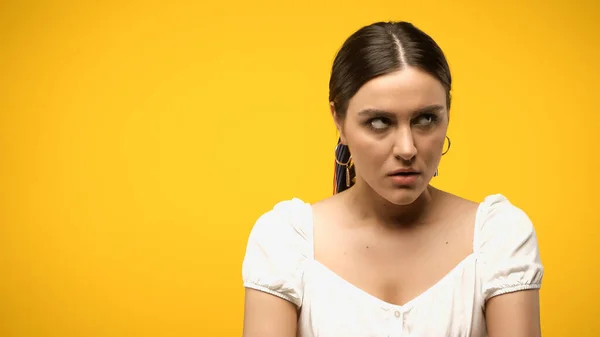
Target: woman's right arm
column 266, row 315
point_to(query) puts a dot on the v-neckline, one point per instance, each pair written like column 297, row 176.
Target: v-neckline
column 387, row 305
column 382, row 303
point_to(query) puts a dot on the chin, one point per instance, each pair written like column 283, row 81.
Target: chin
column 402, row 197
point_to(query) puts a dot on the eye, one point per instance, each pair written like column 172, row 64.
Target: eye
column 378, row 123
column 426, row 119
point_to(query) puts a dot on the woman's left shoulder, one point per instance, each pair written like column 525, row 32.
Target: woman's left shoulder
column 507, row 248
column 497, row 214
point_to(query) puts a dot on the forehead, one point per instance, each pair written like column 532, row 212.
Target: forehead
column 402, row 91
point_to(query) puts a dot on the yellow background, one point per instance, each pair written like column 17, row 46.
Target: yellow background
column 139, row 142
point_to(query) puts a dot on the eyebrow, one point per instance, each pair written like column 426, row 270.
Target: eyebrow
column 377, row 112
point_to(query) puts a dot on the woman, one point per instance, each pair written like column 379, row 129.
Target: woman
column 388, row 254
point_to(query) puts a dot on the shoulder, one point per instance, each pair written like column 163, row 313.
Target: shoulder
column 507, row 248
column 279, row 244
column 286, row 220
column 460, row 205
column 499, row 219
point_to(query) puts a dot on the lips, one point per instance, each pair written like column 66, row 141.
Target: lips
column 404, row 177
column 404, row 172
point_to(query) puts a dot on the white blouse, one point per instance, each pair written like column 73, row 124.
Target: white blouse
column 279, row 260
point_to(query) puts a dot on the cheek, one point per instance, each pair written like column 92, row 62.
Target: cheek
column 431, row 148
column 368, row 152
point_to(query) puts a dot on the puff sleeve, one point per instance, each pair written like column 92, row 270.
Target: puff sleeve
column 508, row 254
column 278, row 247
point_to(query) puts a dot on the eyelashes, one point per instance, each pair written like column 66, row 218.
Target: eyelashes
column 429, row 118
column 380, row 124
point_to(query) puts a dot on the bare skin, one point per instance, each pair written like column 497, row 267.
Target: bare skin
column 393, row 262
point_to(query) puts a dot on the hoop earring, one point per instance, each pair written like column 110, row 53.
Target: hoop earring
column 449, row 144
column 437, row 173
column 347, row 164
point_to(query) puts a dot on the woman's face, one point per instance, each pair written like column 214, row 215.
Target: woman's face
column 396, row 122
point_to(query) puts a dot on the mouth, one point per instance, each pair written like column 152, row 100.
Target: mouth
column 404, row 173
column 404, row 177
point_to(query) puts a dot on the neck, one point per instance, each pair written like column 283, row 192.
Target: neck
column 373, row 208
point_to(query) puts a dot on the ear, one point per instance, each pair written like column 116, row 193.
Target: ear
column 338, row 122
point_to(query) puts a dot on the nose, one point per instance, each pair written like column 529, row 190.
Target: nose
column 404, row 145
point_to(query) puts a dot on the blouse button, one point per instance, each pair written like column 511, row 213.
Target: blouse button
column 397, row 313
